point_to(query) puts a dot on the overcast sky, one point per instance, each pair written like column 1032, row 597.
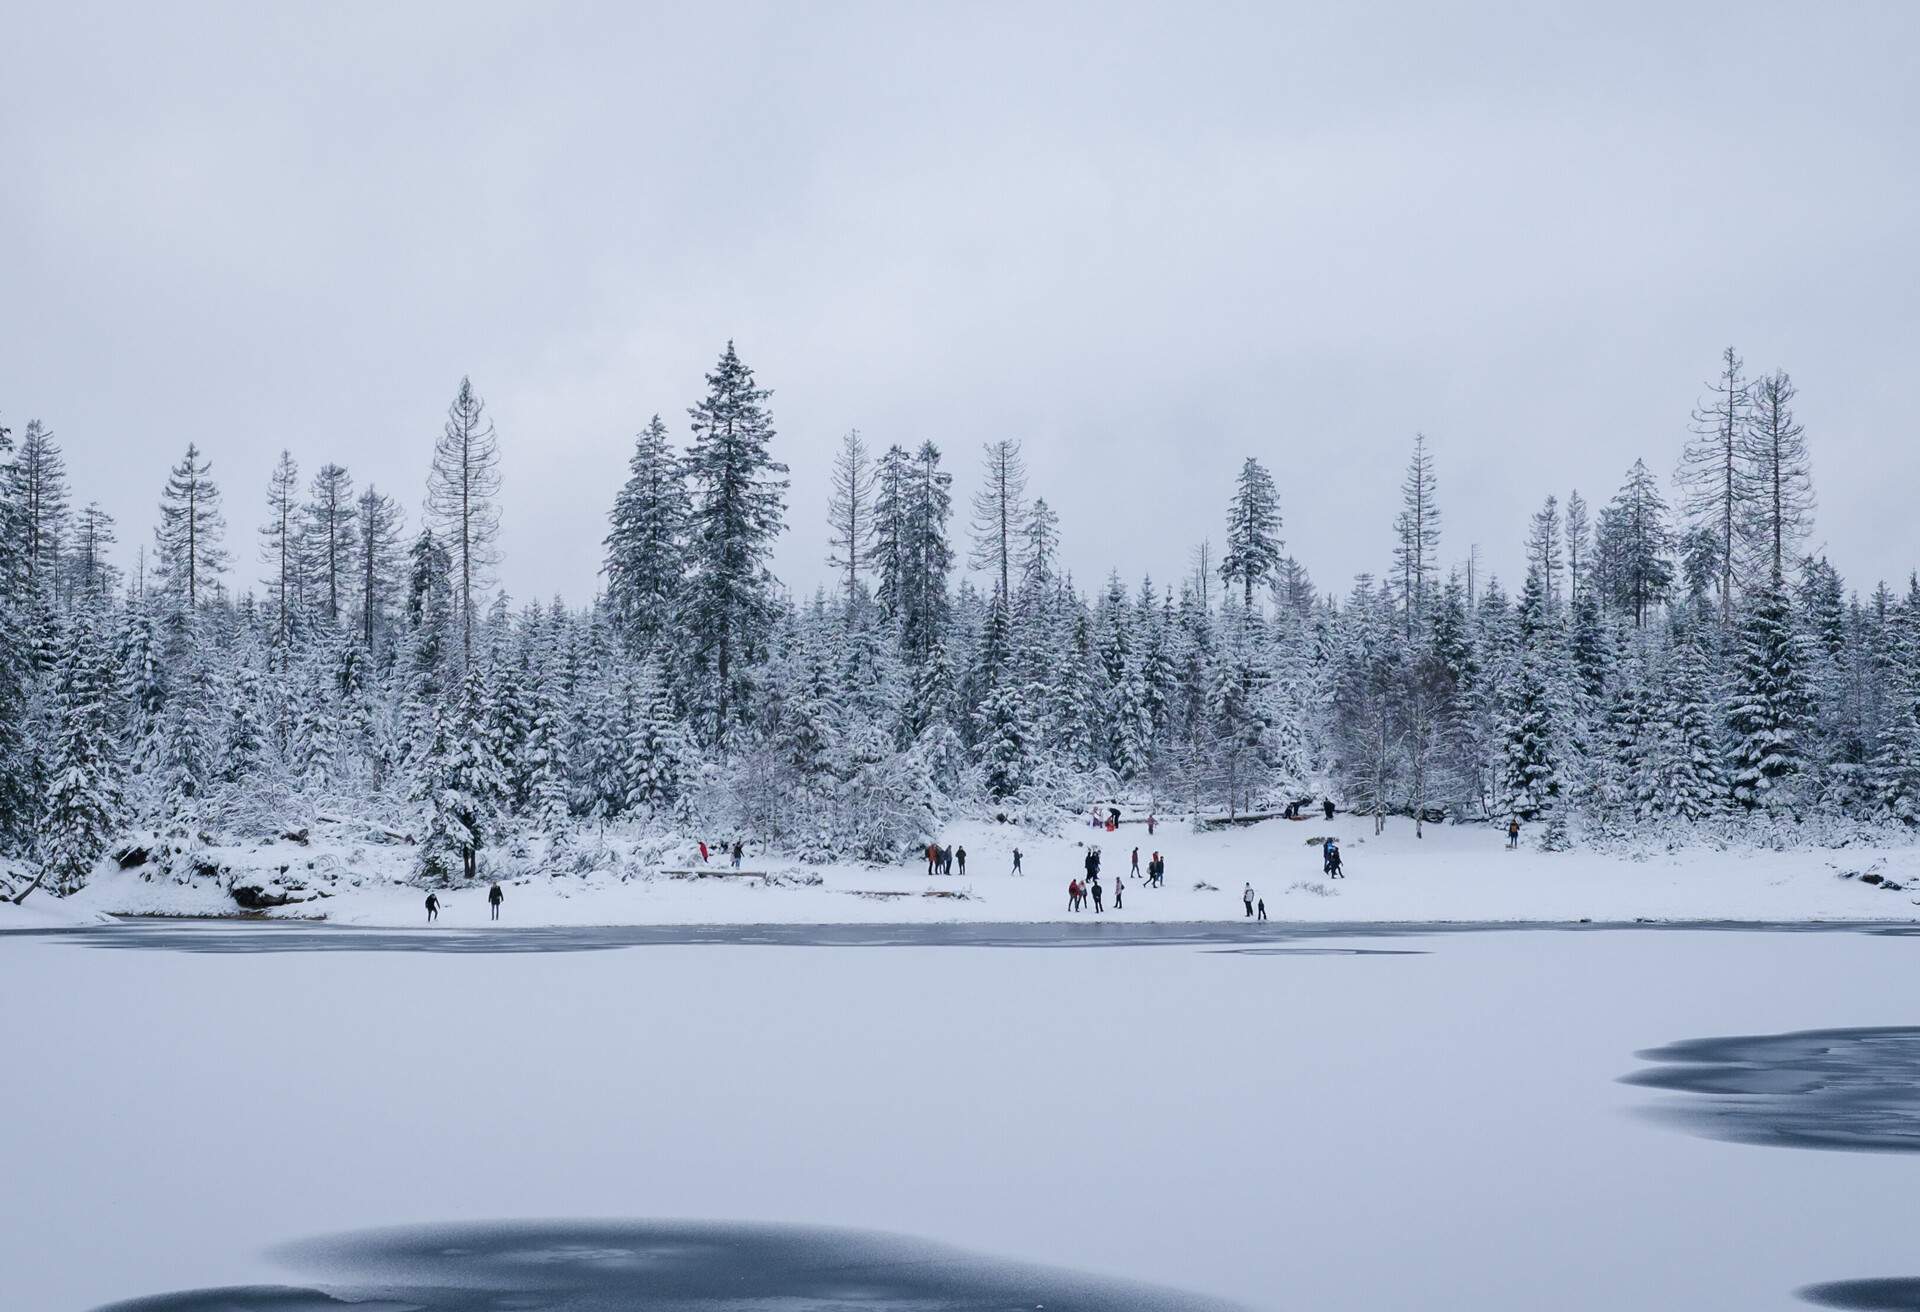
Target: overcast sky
column 1146, row 241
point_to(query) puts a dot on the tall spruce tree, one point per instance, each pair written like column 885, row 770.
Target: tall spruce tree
column 1253, row 532
column 645, row 550
column 462, row 483
column 188, row 555
column 738, row 496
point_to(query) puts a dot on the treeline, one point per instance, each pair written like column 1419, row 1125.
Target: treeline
column 1682, row 663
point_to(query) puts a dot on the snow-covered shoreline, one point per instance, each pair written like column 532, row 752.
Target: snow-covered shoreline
column 1452, row 875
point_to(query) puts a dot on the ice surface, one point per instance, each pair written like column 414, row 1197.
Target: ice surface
column 1441, row 1129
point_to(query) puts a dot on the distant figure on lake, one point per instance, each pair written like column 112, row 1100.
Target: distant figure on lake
column 494, row 898
column 433, row 908
column 960, row 860
column 739, row 850
column 1119, row 888
column 1136, row 866
column 1513, row 833
column 1094, row 884
column 1016, row 860
column 1327, row 806
column 1333, row 861
column 1263, row 910
column 1073, row 895
column 1246, row 896
column 1152, row 824
column 933, row 857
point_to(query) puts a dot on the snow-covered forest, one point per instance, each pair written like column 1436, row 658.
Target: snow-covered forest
column 1671, row 656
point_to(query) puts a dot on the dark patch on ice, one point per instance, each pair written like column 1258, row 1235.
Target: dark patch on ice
column 664, row 1266
column 250, row 1298
column 1851, row 1090
column 1887, row 1294
column 255, row 936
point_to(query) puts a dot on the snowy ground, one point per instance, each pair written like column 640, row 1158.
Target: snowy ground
column 1284, row 1125
column 1454, row 873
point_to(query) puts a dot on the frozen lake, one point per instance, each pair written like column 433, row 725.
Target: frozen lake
column 210, row 1117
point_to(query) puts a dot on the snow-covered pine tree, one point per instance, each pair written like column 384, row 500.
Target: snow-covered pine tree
column 645, row 562
column 1689, row 782
column 82, row 808
column 16, row 668
column 1768, row 714
column 1775, row 482
column 329, row 547
column 657, row 768
column 188, row 557
column 1530, row 750
column 1713, row 472
column 1416, row 555
column 1003, row 734
column 999, row 511
column 376, row 563
column 462, row 483
column 37, row 487
column 1253, row 532
column 281, row 551
column 461, row 783
column 738, row 496
column 1631, row 569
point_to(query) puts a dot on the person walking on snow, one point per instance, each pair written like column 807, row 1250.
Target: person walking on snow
column 1247, row 897
column 1513, row 833
column 433, row 907
column 1095, row 886
column 1263, row 910
column 960, row 859
column 1016, row 860
column 1119, row 887
column 1333, row 863
column 1073, row 895
column 1326, row 855
column 1136, row 864
column 494, row 898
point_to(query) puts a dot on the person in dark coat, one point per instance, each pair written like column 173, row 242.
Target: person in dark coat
column 433, row 907
column 1513, row 832
column 1152, row 824
column 1073, row 895
column 1095, row 886
column 1333, row 862
column 960, row 859
column 494, row 898
column 739, row 850
column 1263, row 910
column 1327, row 806
column 1016, row 860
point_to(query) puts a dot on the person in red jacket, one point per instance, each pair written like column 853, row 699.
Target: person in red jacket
column 933, row 857
column 703, row 851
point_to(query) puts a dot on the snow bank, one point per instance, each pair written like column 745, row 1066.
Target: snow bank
column 1454, row 873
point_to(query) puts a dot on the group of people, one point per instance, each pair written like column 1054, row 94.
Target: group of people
column 733, row 853
column 494, row 898
column 1109, row 820
column 1293, row 810
column 1082, row 891
column 1330, row 858
column 944, row 860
